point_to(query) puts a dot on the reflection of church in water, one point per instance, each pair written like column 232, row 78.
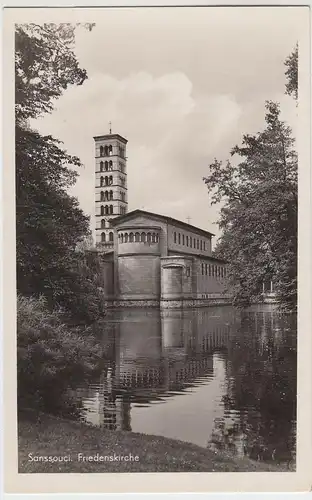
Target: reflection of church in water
column 155, row 355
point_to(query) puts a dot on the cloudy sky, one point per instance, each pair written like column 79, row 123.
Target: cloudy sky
column 183, row 86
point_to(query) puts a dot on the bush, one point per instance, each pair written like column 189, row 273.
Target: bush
column 50, row 354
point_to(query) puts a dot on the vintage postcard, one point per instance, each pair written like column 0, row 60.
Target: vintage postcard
column 157, row 249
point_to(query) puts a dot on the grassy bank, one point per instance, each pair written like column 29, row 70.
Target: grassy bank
column 49, row 436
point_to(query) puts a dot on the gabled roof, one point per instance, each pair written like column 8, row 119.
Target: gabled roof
column 163, row 218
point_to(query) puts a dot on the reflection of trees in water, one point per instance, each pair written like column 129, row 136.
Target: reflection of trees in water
column 260, row 388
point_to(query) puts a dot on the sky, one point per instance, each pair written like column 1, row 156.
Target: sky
column 182, row 86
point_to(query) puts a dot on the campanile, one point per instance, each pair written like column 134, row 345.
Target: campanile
column 110, row 185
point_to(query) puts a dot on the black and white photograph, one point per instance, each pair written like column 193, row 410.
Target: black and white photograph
column 156, row 211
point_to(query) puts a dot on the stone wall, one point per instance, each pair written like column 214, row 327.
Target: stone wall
column 138, row 277
column 188, row 242
column 176, row 277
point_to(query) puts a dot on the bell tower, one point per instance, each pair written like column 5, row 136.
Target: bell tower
column 111, row 198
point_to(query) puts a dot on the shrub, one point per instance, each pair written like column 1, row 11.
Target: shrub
column 50, row 354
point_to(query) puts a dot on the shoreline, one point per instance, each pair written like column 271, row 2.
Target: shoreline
column 53, row 438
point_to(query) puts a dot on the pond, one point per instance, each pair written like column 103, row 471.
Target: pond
column 216, row 377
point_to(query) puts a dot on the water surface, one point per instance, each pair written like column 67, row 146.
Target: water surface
column 216, row 377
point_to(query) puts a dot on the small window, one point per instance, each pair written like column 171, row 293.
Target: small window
column 204, row 246
column 191, row 241
column 179, row 239
column 175, row 237
column 106, row 166
column 202, row 266
column 111, row 236
column 194, row 243
column 187, row 243
column 183, row 239
column 209, row 269
column 131, row 237
column 137, row 237
column 103, row 237
column 101, row 150
column 101, row 166
column 206, row 269
column 102, row 210
column 197, row 244
column 149, row 238
column 102, row 224
column 143, row 237
column 201, row 244
column 122, row 238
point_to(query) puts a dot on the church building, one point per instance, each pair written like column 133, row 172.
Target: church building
column 148, row 259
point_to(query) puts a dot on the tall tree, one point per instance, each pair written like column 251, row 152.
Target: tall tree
column 45, row 65
column 258, row 189
column 291, row 73
column 49, row 222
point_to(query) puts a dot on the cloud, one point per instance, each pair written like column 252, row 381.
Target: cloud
column 182, row 88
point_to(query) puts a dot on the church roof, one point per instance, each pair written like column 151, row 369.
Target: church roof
column 163, row 218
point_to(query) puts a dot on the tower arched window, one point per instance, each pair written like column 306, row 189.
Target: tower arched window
column 110, row 179
column 148, row 237
column 106, row 209
column 106, row 150
column 111, row 209
column 143, row 237
column 102, row 210
column 137, row 237
column 103, row 237
column 111, row 195
column 101, row 150
column 111, row 165
column 102, row 223
column 126, row 237
column 106, row 181
column 111, row 236
column 101, row 166
column 102, row 195
column 102, row 181
column 106, row 166
column 122, row 238
column 110, row 150
column 131, row 237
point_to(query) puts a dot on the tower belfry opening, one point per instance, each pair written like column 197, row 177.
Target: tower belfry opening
column 111, row 199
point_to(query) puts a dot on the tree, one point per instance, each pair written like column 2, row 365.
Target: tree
column 49, row 222
column 45, row 65
column 291, row 73
column 259, row 215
